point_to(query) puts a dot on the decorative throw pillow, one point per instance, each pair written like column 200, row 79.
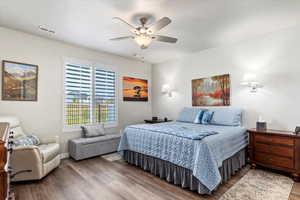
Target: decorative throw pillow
column 93, row 130
column 27, row 141
column 207, row 116
column 199, row 117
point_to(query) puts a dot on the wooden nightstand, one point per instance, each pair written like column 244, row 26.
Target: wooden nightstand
column 150, row 121
column 275, row 149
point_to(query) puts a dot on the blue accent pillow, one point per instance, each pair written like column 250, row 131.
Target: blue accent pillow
column 27, row 141
column 197, row 120
column 191, row 115
column 227, row 117
column 207, row 116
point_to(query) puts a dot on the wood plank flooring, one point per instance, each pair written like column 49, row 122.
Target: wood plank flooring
column 99, row 179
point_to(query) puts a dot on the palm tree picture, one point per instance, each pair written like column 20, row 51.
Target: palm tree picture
column 135, row 89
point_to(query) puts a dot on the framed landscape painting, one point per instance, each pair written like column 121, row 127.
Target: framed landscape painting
column 19, row 81
column 212, row 91
column 135, row 89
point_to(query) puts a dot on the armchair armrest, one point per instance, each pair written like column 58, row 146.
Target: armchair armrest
column 27, row 151
column 26, row 158
column 29, row 147
column 49, row 139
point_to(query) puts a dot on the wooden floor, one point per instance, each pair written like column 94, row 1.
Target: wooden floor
column 99, row 179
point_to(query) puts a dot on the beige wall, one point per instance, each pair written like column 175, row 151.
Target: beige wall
column 44, row 117
column 274, row 57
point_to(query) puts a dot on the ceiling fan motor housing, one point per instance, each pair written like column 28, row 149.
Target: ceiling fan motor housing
column 143, row 21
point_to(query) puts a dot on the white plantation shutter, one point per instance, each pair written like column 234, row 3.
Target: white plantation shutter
column 90, row 95
column 78, row 93
column 105, row 96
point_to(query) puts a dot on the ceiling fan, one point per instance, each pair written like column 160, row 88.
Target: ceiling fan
column 143, row 35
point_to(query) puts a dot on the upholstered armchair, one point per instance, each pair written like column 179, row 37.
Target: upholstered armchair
column 38, row 160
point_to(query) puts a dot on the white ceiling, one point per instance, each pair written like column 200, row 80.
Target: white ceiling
column 198, row 24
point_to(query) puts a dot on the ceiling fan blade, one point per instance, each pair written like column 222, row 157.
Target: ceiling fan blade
column 122, row 38
column 132, row 28
column 159, row 25
column 162, row 38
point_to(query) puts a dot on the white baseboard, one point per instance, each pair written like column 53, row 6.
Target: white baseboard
column 64, row 155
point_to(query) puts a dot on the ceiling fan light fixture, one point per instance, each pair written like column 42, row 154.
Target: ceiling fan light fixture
column 144, row 35
column 143, row 40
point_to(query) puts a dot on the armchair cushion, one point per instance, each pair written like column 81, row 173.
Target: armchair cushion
column 12, row 120
column 49, row 151
column 18, row 132
column 49, row 139
column 14, row 124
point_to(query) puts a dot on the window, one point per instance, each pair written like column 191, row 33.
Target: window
column 90, row 95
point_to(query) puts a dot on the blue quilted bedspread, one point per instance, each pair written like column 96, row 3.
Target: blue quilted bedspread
column 176, row 129
column 200, row 148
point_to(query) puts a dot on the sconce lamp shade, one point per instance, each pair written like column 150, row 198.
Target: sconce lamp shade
column 250, row 80
column 165, row 88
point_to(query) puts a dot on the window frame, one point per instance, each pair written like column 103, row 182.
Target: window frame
column 93, row 65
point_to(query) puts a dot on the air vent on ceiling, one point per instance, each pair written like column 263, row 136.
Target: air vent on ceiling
column 46, row 29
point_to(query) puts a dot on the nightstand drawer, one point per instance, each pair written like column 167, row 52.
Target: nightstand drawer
column 274, row 140
column 276, row 150
column 272, row 160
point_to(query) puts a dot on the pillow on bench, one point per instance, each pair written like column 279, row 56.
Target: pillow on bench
column 93, row 130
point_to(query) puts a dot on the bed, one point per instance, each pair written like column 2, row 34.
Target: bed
column 196, row 156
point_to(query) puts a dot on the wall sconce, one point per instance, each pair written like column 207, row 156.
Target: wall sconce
column 166, row 89
column 250, row 81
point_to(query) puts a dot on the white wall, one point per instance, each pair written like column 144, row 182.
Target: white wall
column 44, row 117
column 274, row 57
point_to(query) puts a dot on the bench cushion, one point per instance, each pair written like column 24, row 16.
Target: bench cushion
column 98, row 139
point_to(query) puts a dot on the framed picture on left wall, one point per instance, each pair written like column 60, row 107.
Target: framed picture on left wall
column 19, row 81
column 135, row 89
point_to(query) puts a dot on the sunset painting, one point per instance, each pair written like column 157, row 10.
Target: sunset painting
column 19, row 81
column 213, row 91
column 135, row 89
